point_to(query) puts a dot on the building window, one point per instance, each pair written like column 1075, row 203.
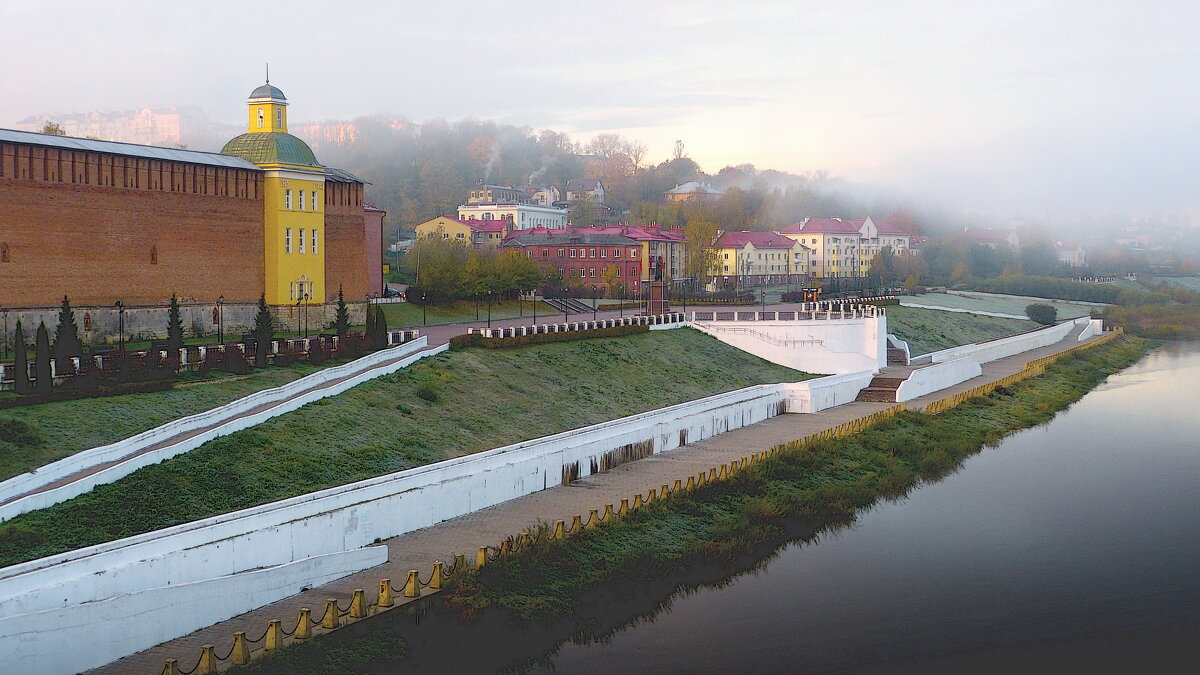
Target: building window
column 633, row 253
column 592, row 254
column 260, row 118
column 315, row 203
column 287, row 240
column 572, row 253
column 314, row 241
column 287, row 199
column 616, row 253
column 300, row 232
column 591, row 271
column 560, row 253
column 302, row 204
column 279, row 118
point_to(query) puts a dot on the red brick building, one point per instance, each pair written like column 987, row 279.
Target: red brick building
column 583, row 257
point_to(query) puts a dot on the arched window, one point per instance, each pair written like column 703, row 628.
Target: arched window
column 260, row 117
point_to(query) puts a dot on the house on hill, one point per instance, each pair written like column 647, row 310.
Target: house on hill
column 692, row 191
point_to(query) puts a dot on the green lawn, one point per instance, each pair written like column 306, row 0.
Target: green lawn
column 928, row 330
column 56, row 430
column 456, row 403
column 1189, row 283
column 984, row 302
column 403, row 314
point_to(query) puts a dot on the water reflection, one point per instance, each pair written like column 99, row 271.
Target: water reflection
column 1078, row 537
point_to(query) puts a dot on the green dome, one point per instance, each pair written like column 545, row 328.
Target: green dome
column 271, row 148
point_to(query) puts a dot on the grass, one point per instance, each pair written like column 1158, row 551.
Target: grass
column 67, row 427
column 984, row 302
column 403, row 314
column 928, row 330
column 806, row 488
column 449, row 405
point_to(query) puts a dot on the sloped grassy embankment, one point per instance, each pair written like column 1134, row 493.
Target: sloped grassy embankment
column 453, row 404
column 928, row 330
column 806, row 489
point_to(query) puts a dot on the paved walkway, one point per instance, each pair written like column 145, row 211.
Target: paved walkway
column 465, row 534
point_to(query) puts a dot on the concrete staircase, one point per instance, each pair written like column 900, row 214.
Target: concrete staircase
column 881, row 390
column 896, row 357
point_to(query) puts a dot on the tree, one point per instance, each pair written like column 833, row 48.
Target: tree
column 41, row 360
column 174, row 327
column 610, row 274
column 911, row 283
column 961, row 275
column 679, row 152
column 53, row 129
column 369, row 329
column 342, row 321
column 606, row 145
column 701, row 260
column 21, row 363
column 636, row 150
column 882, row 270
column 585, row 212
column 67, row 344
column 380, row 325
column 264, row 331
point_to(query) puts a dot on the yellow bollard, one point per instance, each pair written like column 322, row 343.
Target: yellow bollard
column 274, row 638
column 412, row 587
column 481, row 557
column 593, row 520
column 637, row 501
column 504, row 548
column 329, row 619
column 691, row 484
column 357, row 604
column 624, row 508
column 608, row 514
column 241, row 651
column 576, row 525
column 677, row 487
column 170, row 667
column 460, row 563
column 712, row 474
column 745, row 462
column 560, row 530
column 303, row 625
column 385, row 593
column 208, row 662
column 436, row 577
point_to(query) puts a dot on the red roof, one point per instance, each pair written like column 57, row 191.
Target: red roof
column 885, row 227
column 477, row 225
column 758, row 239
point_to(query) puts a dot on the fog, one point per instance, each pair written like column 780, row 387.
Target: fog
column 1052, row 110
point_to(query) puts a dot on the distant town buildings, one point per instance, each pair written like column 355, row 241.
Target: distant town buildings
column 145, row 126
column 845, row 248
column 759, row 257
column 692, row 191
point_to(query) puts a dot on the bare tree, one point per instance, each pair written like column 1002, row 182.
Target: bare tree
column 606, row 145
column 53, row 128
column 636, row 151
column 680, row 152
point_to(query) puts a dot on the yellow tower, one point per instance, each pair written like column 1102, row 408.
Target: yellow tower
column 294, row 196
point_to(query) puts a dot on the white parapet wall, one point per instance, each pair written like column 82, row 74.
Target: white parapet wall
column 812, row 396
column 937, row 377
column 286, row 398
column 838, row 346
column 984, row 352
column 78, row 637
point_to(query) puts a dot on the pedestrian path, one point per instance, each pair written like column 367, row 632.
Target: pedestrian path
column 465, row 534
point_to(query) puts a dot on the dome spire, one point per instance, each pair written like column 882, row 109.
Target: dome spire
column 268, row 72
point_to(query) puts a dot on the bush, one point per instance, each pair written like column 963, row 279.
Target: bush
column 72, row 394
column 1043, row 314
column 1051, row 287
column 477, row 340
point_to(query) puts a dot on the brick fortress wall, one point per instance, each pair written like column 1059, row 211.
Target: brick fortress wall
column 345, row 242
column 101, row 228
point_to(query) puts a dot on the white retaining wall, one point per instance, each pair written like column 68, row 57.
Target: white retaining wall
column 812, row 396
column 837, row 346
column 24, row 483
column 937, row 377
column 965, row 311
column 79, row 637
column 352, row 516
column 983, row 352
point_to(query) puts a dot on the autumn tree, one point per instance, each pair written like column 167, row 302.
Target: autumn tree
column 701, row 259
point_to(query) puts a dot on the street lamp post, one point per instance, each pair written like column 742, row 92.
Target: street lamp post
column 304, row 297
column 423, row 305
column 565, row 305
column 489, row 308
column 5, row 334
column 535, row 304
column 121, row 327
column 594, row 302
column 298, row 301
column 220, row 319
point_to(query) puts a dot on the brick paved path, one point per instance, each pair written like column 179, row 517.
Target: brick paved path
column 463, row 535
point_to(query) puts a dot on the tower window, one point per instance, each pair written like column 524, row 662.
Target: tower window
column 260, row 118
column 287, row 240
column 279, row 118
column 287, row 199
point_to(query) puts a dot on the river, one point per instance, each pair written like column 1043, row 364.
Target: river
column 1072, row 546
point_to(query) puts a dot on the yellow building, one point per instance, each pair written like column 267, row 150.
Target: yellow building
column 751, row 258
column 477, row 233
column 845, row 248
column 294, row 192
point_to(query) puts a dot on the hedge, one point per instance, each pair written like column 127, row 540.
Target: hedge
column 72, row 394
column 478, row 340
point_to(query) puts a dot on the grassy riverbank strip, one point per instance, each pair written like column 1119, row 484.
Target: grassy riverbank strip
column 452, row 404
column 806, row 486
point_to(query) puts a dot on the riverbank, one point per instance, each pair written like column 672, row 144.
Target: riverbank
column 816, row 485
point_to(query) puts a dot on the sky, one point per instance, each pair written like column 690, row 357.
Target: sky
column 1011, row 108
